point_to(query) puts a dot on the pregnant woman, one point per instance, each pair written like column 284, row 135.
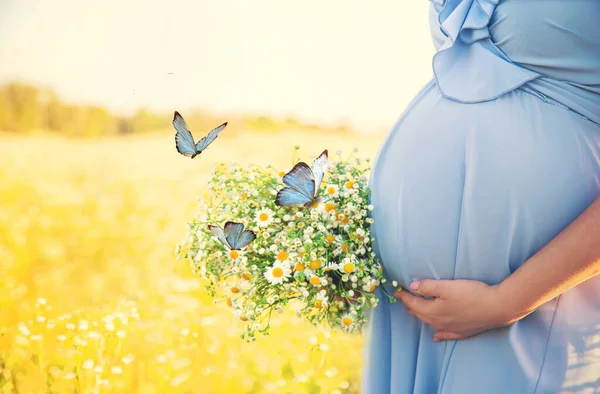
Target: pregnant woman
column 487, row 208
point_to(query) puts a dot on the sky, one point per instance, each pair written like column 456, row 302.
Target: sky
column 355, row 62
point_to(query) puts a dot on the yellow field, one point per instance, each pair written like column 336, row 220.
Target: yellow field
column 92, row 299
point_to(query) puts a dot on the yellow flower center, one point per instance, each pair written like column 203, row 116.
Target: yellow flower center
column 329, row 207
column 283, row 256
column 380, row 269
column 344, row 247
column 372, row 288
column 345, row 220
column 277, row 272
column 315, row 280
column 318, row 304
column 281, row 173
column 234, row 254
column 243, row 318
column 299, row 267
column 246, row 276
column 301, row 254
column 347, row 321
column 315, row 204
column 229, row 302
column 263, row 217
column 244, row 196
column 348, row 268
column 235, row 290
column 330, row 239
column 315, row 264
column 331, row 190
column 349, row 184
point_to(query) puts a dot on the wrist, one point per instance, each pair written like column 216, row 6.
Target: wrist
column 510, row 304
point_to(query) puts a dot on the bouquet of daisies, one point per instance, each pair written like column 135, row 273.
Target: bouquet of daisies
column 266, row 240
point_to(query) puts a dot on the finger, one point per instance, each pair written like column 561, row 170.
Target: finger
column 429, row 287
column 416, row 304
column 425, row 319
column 447, row 336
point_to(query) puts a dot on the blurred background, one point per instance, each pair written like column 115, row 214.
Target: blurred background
column 94, row 196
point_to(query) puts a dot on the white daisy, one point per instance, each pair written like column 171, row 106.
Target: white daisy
column 277, row 273
column 317, row 205
column 321, row 299
column 285, row 257
column 347, row 266
column 316, row 281
column 234, row 254
column 348, row 322
column 264, row 217
column 349, row 185
column 369, row 286
column 331, row 190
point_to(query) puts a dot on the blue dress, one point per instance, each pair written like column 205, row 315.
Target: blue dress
column 491, row 160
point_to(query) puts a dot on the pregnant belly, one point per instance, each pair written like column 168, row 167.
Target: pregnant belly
column 472, row 190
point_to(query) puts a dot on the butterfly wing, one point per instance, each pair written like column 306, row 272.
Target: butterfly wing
column 244, row 239
column 319, row 168
column 301, row 186
column 206, row 141
column 183, row 138
column 236, row 236
column 218, row 232
column 288, row 196
column 301, row 178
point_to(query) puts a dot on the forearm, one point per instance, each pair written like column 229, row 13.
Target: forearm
column 570, row 258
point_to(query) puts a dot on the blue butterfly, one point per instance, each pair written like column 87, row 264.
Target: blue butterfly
column 185, row 142
column 233, row 235
column 303, row 183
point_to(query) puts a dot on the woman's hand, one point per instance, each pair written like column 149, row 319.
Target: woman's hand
column 460, row 309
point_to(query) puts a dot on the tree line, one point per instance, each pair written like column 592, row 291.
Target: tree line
column 26, row 108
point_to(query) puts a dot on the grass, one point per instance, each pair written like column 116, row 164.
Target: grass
column 92, row 298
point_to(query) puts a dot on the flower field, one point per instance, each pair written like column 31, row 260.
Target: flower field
column 92, row 297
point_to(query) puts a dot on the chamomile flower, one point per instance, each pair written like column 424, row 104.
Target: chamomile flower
column 264, row 217
column 348, row 322
column 329, row 207
column 234, row 254
column 283, row 256
column 330, row 266
column 321, row 299
column 347, row 266
column 370, row 286
column 277, row 273
column 349, row 185
column 331, row 190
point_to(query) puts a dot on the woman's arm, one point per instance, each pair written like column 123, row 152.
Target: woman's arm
column 570, row 258
column 462, row 308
